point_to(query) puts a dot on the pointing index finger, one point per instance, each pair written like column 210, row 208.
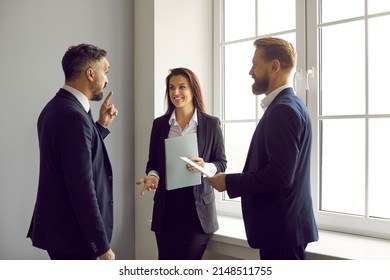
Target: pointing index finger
column 107, row 100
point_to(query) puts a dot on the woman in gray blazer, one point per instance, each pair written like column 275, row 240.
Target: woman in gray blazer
column 184, row 218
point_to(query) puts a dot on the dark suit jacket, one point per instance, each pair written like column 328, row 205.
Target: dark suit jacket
column 74, row 208
column 211, row 149
column 275, row 183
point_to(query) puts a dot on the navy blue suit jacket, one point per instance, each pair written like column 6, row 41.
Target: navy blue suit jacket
column 74, row 208
column 275, row 183
column 211, row 148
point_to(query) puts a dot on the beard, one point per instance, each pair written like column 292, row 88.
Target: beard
column 260, row 86
column 97, row 94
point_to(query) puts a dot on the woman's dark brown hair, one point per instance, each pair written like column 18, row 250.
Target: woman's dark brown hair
column 194, row 84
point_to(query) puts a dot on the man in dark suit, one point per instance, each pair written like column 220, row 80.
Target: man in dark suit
column 275, row 183
column 73, row 214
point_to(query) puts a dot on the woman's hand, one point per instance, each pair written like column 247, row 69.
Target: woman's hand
column 150, row 183
column 198, row 161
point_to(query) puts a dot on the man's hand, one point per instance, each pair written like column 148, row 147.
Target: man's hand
column 109, row 255
column 108, row 112
column 218, row 182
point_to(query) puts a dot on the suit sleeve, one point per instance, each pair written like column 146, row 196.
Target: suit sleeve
column 281, row 138
column 103, row 131
column 76, row 141
column 152, row 163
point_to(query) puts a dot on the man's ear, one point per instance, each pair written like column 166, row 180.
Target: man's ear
column 275, row 65
column 90, row 74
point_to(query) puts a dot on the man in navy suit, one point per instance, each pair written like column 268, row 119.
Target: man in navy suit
column 73, row 214
column 274, row 185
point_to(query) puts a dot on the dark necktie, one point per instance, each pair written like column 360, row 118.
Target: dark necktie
column 90, row 115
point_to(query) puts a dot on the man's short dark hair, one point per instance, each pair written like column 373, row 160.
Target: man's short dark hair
column 78, row 57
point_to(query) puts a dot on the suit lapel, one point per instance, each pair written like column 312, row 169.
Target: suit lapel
column 201, row 133
column 165, row 126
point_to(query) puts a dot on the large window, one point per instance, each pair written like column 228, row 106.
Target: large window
column 341, row 73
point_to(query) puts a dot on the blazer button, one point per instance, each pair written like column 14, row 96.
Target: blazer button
column 109, row 178
column 111, row 202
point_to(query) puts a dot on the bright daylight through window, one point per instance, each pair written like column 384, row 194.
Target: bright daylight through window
column 341, row 74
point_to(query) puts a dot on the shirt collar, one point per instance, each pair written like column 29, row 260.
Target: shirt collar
column 80, row 97
column 194, row 119
column 267, row 100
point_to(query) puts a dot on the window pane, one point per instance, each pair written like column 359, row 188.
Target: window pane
column 333, row 10
column 379, row 59
column 240, row 102
column 237, row 140
column 378, row 6
column 379, row 176
column 267, row 23
column 343, row 166
column 239, row 19
column 343, row 69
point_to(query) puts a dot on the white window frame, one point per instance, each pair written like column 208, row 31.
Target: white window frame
column 226, row 207
column 366, row 226
column 307, row 87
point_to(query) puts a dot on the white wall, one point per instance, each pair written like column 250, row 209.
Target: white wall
column 168, row 34
column 34, row 34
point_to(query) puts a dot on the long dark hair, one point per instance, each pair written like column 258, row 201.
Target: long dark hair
column 194, row 84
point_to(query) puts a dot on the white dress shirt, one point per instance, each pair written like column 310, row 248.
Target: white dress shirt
column 175, row 131
column 271, row 96
column 80, row 97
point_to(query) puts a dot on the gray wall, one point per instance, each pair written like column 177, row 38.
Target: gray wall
column 34, row 34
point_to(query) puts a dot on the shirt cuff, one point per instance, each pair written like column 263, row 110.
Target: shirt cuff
column 154, row 173
column 210, row 167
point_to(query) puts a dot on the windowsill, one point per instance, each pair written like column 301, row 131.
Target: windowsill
column 230, row 242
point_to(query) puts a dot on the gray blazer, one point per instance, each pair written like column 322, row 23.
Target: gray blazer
column 211, row 149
